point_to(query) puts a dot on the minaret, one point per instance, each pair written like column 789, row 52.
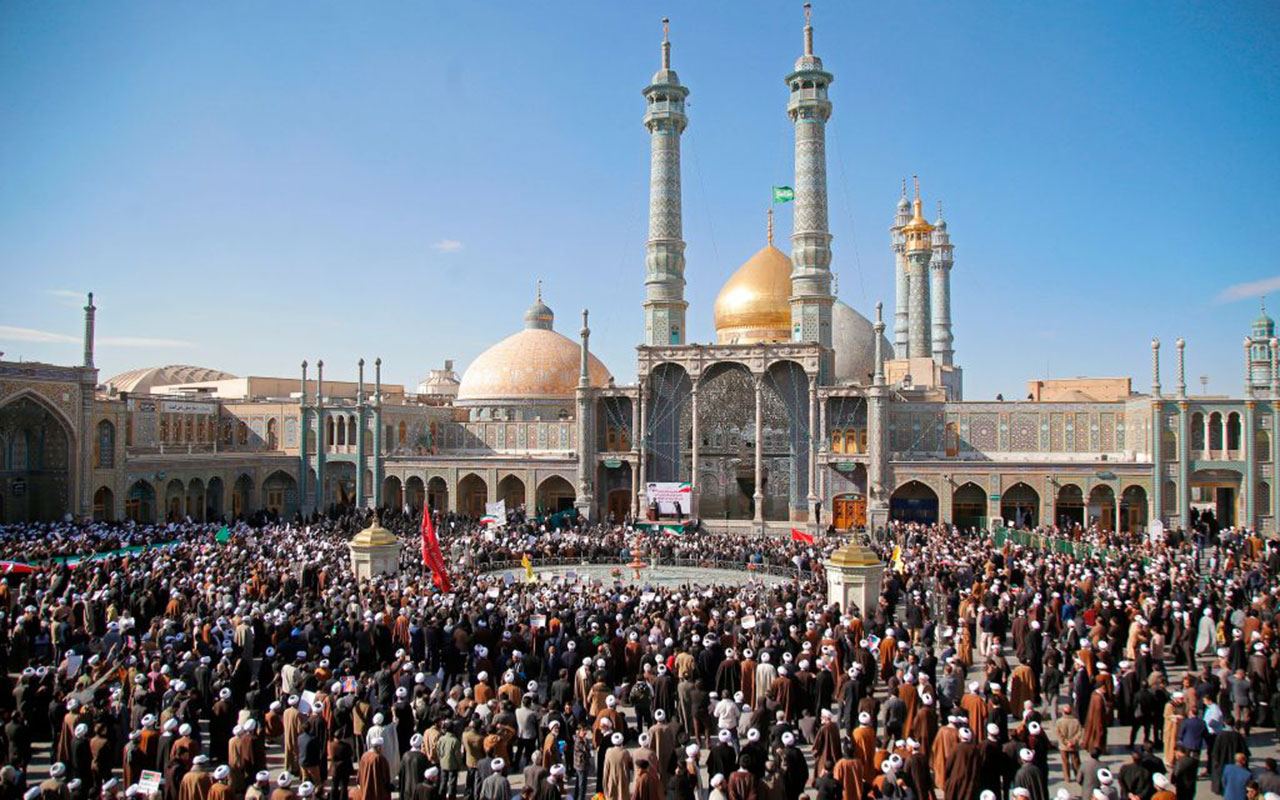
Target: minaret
column 919, row 241
column 940, row 291
column 809, row 109
column 89, row 312
column 900, row 299
column 585, row 502
column 664, row 303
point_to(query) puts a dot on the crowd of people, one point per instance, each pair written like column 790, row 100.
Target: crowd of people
column 182, row 662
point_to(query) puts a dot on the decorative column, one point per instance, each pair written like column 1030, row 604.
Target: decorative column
column 322, row 447
column 641, row 506
column 585, row 501
column 1248, row 367
column 940, row 291
column 1248, row 496
column 693, row 468
column 304, row 469
column 635, row 453
column 901, row 285
column 360, row 460
column 877, row 418
column 664, row 303
column 1157, row 433
column 758, row 496
column 1184, row 442
column 919, row 235
column 809, row 109
column 377, row 434
column 813, row 449
column 80, row 496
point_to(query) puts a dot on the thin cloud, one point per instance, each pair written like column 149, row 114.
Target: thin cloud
column 68, row 298
column 448, row 245
column 143, row 341
column 12, row 333
column 1243, row 291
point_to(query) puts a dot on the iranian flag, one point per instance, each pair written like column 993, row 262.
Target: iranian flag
column 431, row 555
column 800, row 536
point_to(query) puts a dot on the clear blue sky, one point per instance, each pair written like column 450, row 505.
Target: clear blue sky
column 247, row 184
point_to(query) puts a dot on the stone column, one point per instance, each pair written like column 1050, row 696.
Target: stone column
column 378, row 461
column 813, row 447
column 758, row 496
column 322, row 446
column 360, row 443
column 693, row 468
column 641, row 505
column 1250, row 467
column 1184, row 467
column 635, row 454
column 1157, row 467
column 305, row 468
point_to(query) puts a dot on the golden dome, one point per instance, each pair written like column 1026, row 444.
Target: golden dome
column 535, row 364
column 754, row 304
column 375, row 536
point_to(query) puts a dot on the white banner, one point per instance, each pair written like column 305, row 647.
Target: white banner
column 183, row 407
column 497, row 510
column 667, row 493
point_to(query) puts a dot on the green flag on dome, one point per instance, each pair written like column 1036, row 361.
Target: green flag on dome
column 783, row 194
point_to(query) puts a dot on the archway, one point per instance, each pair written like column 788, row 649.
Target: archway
column 1102, row 507
column 242, row 497
column 1215, row 494
column 175, row 495
column 511, row 492
column 1068, row 509
column 392, row 492
column 473, row 493
column 104, row 502
column 1133, row 509
column 969, row 506
column 913, row 501
column 281, row 493
column 40, row 451
column 1020, row 506
column 104, row 446
column 195, row 500
column 414, row 491
column 213, row 499
column 140, row 503
column 438, row 493
column 555, row 494
column 668, row 423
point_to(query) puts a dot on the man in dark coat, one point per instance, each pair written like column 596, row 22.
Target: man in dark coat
column 963, row 769
column 1225, row 747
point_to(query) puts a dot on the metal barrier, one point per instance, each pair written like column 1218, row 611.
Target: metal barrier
column 612, row 560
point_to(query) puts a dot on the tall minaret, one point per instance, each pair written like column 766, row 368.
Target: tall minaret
column 664, row 303
column 900, row 298
column 940, row 291
column 919, row 236
column 809, row 110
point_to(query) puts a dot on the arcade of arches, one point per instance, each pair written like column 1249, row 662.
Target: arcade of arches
column 1020, row 506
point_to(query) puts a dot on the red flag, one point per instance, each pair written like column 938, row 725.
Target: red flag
column 797, row 536
column 431, row 555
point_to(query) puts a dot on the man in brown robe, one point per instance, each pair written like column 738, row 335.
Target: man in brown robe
column 617, row 771
column 826, row 743
column 1022, row 686
column 864, row 741
column 742, row 785
column 292, row 720
column 944, row 744
column 663, row 740
column 220, row 790
column 974, row 707
column 196, row 783
column 850, row 773
column 374, row 774
column 748, row 677
column 1096, row 722
column 780, row 693
column 648, row 786
column 924, row 725
column 240, row 759
column 963, row 769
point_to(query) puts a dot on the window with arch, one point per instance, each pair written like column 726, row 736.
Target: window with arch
column 190, row 426
column 328, row 432
column 1233, row 431
column 1262, row 446
column 104, row 446
column 273, row 439
column 242, row 434
column 341, row 428
column 200, row 428
column 1196, row 429
column 128, row 431
column 1264, row 499
column 351, row 430
column 1215, row 431
column 402, row 433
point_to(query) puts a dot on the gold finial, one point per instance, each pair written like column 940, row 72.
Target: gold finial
column 539, row 290
column 769, row 227
column 918, row 209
